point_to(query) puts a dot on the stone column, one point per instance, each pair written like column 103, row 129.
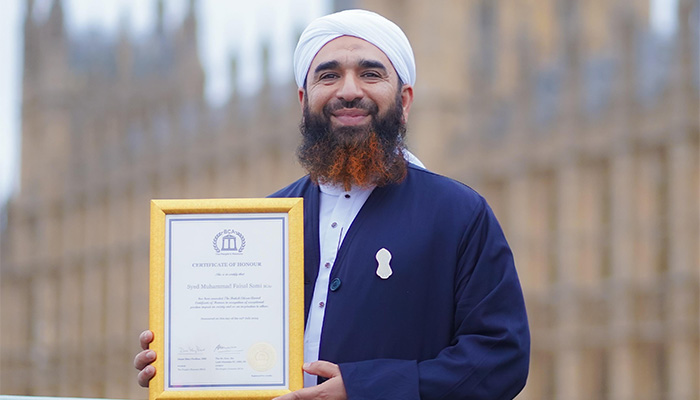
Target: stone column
column 70, row 335
column 44, row 317
column 622, row 253
column 92, row 300
column 682, row 293
column 568, row 361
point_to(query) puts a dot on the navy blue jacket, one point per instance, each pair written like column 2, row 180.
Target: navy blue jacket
column 450, row 323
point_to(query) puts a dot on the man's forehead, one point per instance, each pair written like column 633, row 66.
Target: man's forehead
column 350, row 46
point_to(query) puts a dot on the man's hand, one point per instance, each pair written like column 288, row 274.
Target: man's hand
column 143, row 360
column 332, row 389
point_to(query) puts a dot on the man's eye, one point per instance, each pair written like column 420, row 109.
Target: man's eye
column 371, row 74
column 328, row 76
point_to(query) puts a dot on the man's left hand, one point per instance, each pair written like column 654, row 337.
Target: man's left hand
column 332, row 389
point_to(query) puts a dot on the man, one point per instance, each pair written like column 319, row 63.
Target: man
column 410, row 287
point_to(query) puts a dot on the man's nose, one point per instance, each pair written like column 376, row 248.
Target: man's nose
column 349, row 89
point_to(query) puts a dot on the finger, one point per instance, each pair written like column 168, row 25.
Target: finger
column 146, row 375
column 146, row 337
column 332, row 389
column 301, row 394
column 322, row 368
column 144, row 358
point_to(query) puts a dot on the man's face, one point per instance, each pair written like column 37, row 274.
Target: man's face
column 354, row 116
column 350, row 69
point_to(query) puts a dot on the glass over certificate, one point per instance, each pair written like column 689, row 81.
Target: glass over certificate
column 228, row 290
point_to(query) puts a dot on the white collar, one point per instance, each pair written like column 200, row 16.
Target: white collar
column 335, row 189
column 412, row 159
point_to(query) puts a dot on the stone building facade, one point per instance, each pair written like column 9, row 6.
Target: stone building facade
column 575, row 119
column 580, row 124
column 109, row 123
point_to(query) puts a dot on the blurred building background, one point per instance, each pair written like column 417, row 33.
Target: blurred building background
column 578, row 120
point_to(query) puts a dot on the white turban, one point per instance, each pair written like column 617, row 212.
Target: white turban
column 366, row 25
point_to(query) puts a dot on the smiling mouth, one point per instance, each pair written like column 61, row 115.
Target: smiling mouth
column 350, row 116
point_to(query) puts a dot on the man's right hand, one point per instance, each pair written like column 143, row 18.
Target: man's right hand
column 143, row 360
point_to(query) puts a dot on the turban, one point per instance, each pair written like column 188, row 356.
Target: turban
column 366, row 25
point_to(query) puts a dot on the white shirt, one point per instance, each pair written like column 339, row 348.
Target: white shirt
column 337, row 210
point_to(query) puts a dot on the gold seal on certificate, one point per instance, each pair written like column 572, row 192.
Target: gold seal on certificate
column 261, row 356
column 227, row 297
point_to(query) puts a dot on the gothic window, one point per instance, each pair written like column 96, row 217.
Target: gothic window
column 488, row 32
column 599, row 79
column 548, row 92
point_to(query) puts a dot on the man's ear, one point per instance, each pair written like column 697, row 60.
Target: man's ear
column 406, row 100
column 302, row 93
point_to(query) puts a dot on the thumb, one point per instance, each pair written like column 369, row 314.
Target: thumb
column 322, row 368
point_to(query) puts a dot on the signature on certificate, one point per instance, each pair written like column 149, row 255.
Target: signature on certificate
column 221, row 349
column 191, row 350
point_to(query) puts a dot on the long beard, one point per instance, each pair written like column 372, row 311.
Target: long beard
column 354, row 156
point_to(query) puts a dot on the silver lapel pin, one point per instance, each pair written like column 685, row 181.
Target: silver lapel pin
column 383, row 268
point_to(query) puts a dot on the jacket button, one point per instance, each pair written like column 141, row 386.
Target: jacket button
column 335, row 284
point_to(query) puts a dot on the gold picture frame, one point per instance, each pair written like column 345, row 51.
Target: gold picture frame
column 177, row 228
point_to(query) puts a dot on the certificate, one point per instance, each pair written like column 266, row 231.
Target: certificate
column 226, row 297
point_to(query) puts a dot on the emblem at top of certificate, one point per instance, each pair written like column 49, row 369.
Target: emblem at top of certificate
column 229, row 241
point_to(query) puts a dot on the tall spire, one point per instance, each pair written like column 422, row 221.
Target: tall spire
column 266, row 55
column 160, row 15
column 30, row 10
column 233, row 68
column 56, row 21
column 31, row 48
column 124, row 48
column 190, row 22
column 191, row 7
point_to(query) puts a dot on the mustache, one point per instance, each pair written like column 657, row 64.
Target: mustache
column 359, row 104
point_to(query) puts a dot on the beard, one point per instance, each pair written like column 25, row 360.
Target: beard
column 354, row 155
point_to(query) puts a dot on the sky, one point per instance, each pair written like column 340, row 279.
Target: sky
column 222, row 25
column 9, row 93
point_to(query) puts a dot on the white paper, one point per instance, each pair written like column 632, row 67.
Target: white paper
column 226, row 311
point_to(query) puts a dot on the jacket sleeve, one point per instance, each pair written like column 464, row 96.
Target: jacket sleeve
column 489, row 354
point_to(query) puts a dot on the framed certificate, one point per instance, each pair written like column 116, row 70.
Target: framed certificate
column 226, row 298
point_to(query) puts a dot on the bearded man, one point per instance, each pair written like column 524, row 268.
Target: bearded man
column 410, row 286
